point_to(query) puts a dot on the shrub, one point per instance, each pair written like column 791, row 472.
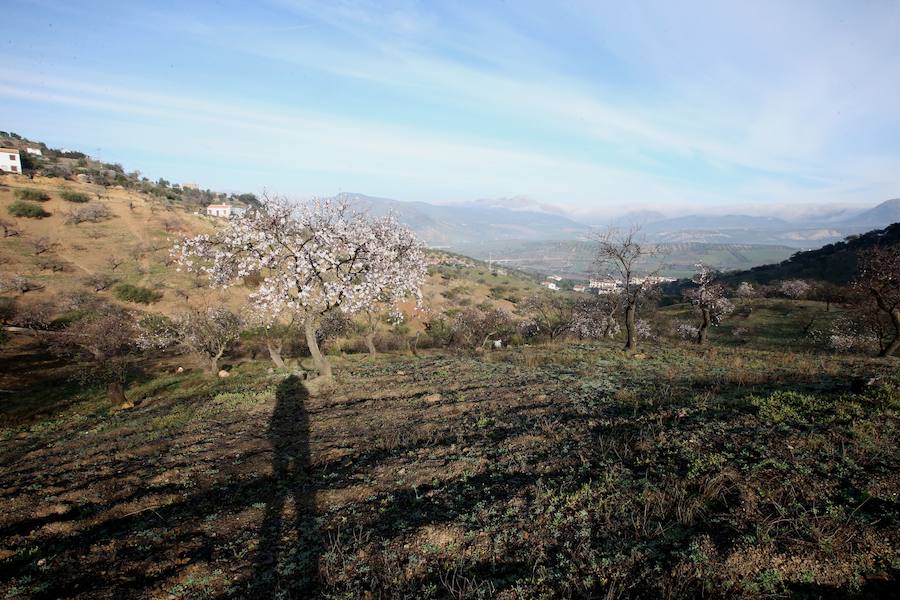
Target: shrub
column 137, row 294
column 77, row 197
column 30, row 194
column 91, row 213
column 30, row 210
column 99, row 281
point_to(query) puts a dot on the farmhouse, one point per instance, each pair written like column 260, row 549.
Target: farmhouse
column 34, row 151
column 225, row 210
column 9, row 160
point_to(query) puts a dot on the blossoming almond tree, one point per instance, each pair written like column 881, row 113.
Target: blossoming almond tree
column 709, row 299
column 311, row 259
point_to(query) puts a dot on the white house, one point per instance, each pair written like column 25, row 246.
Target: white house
column 35, row 151
column 9, row 160
column 225, row 210
column 554, row 278
column 549, row 285
column 579, row 288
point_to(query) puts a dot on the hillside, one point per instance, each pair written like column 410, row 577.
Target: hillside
column 836, row 262
column 131, row 246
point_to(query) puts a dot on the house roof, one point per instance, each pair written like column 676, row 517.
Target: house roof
column 220, row 206
column 8, row 150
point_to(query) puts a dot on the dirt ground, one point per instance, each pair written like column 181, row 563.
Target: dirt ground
column 561, row 471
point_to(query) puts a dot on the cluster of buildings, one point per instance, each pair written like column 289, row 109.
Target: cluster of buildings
column 11, row 159
column 611, row 285
column 603, row 286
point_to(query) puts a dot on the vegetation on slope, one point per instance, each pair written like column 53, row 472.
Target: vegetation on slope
column 532, row 472
column 835, row 263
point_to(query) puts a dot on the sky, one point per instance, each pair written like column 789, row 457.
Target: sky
column 597, row 107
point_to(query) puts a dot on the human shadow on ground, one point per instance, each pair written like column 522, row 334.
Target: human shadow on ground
column 286, row 560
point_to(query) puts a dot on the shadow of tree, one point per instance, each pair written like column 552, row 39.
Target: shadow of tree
column 287, row 556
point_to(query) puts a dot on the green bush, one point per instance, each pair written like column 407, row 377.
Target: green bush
column 75, row 197
column 137, row 294
column 787, row 406
column 30, row 194
column 31, row 210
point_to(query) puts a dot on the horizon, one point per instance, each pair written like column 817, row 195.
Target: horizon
column 676, row 110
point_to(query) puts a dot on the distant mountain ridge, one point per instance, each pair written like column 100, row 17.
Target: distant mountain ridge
column 453, row 224
column 505, row 219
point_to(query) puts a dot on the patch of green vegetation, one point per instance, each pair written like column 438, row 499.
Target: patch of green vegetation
column 136, row 294
column 32, row 194
column 77, row 197
column 30, row 210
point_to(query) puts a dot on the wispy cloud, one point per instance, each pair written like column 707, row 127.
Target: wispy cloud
column 593, row 107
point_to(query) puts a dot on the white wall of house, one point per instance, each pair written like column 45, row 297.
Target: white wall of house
column 35, row 151
column 219, row 210
column 9, row 161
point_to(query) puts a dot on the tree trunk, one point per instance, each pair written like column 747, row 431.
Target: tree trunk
column 370, row 343
column 322, row 364
column 631, row 341
column 214, row 365
column 115, row 392
column 895, row 343
column 704, row 326
column 275, row 353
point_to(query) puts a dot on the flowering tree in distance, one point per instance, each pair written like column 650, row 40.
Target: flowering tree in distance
column 794, row 288
column 709, row 300
column 311, row 259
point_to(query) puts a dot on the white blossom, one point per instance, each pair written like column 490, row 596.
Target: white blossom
column 311, row 258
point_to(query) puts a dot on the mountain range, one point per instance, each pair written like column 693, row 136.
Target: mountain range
column 460, row 225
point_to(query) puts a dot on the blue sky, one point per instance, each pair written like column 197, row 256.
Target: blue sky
column 598, row 107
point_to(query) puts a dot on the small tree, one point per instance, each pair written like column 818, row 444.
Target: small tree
column 9, row 228
column 746, row 291
column 623, row 258
column 794, row 288
column 879, row 281
column 114, row 262
column 594, row 318
column 472, row 328
column 108, row 338
column 41, row 245
column 312, row 259
column 829, row 293
column 99, row 282
column 18, row 283
column 205, row 333
column 550, row 312
column 709, row 300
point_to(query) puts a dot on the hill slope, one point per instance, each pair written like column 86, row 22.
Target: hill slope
column 132, row 246
column 836, row 263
